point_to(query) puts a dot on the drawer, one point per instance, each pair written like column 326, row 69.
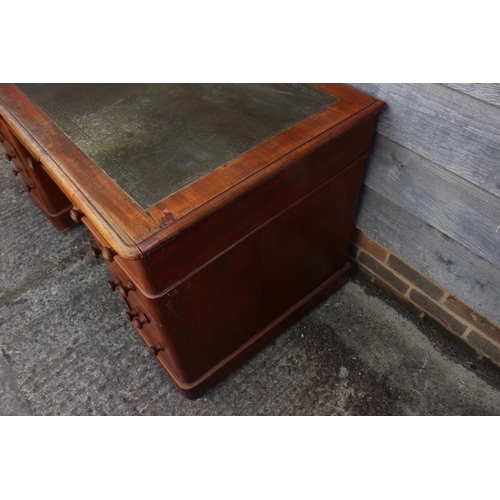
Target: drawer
column 36, row 181
column 145, row 314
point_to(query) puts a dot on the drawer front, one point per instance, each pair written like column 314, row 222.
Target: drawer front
column 145, row 314
column 35, row 180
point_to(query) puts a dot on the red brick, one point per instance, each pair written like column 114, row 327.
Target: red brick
column 366, row 243
column 383, row 272
column 485, row 346
column 415, row 277
column 480, row 322
column 438, row 312
column 392, row 291
column 353, row 251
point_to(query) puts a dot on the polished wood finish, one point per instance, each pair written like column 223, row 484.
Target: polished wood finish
column 35, row 180
column 217, row 269
column 260, row 199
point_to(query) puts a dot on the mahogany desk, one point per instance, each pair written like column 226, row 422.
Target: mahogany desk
column 223, row 211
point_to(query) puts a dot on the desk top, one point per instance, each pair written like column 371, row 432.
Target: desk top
column 144, row 162
column 154, row 139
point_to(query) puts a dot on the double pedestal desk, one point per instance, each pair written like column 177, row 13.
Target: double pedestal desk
column 223, row 211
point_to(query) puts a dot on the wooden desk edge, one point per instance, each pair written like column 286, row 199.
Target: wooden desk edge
column 135, row 246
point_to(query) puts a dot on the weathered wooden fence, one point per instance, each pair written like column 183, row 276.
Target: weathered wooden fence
column 432, row 187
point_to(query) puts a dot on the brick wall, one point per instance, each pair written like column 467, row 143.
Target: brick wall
column 423, row 296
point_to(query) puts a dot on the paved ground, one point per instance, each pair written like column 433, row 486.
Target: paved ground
column 67, row 349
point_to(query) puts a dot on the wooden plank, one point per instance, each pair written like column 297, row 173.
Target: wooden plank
column 447, row 262
column 456, row 131
column 454, row 206
column 488, row 92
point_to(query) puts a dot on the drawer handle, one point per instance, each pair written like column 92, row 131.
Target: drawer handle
column 123, row 290
column 9, row 157
column 28, row 186
column 140, row 320
column 107, row 253
column 155, row 349
column 112, row 284
column 32, row 163
column 15, row 172
column 76, row 215
column 95, row 252
column 131, row 314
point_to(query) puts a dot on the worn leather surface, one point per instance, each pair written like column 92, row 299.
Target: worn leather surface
column 153, row 139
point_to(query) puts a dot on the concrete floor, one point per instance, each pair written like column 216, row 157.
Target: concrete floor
column 67, row 349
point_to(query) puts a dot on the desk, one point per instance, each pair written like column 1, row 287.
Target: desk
column 223, row 211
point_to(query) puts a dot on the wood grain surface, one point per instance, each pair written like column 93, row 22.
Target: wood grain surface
column 442, row 199
column 449, row 128
column 487, row 92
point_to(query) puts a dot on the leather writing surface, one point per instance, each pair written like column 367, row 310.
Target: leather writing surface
column 154, row 139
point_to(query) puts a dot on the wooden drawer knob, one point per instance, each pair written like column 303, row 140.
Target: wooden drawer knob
column 76, row 215
column 112, row 284
column 15, row 172
column 124, row 289
column 95, row 252
column 107, row 253
column 155, row 349
column 9, row 157
column 140, row 320
column 131, row 314
column 32, row 163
